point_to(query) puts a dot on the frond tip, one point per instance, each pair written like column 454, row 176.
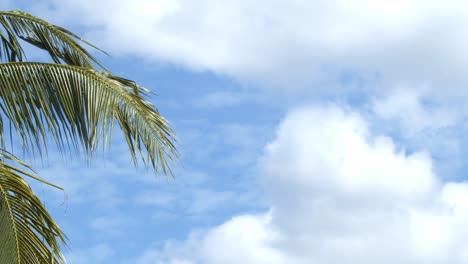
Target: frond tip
column 28, row 234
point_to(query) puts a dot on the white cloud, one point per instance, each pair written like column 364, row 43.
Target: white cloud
column 243, row 239
column 432, row 123
column 338, row 144
column 285, row 43
column 338, row 194
column 405, row 107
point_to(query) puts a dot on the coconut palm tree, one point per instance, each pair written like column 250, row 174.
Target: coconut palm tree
column 72, row 103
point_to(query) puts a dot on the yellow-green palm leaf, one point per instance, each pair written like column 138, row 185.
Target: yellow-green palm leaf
column 28, row 234
column 72, row 104
column 60, row 43
column 78, row 106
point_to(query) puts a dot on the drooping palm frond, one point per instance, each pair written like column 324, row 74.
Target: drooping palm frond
column 28, row 234
column 78, row 123
column 61, row 44
column 71, row 103
column 79, row 106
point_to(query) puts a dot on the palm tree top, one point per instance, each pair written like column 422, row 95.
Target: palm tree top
column 74, row 101
column 147, row 133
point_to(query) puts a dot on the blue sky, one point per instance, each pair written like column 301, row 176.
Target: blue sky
column 310, row 132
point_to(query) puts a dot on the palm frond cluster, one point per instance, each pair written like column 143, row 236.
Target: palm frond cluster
column 75, row 102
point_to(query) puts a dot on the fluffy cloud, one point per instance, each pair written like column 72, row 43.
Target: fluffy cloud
column 338, row 194
column 244, row 239
column 289, row 44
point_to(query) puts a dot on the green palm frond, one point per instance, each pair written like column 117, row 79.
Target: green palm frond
column 79, row 106
column 28, row 234
column 73, row 104
column 61, row 44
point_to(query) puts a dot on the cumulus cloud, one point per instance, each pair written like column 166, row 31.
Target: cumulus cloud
column 338, row 194
column 244, row 239
column 289, row 44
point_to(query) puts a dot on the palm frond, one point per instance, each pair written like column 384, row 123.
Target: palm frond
column 61, row 44
column 28, row 234
column 73, row 104
column 79, row 106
